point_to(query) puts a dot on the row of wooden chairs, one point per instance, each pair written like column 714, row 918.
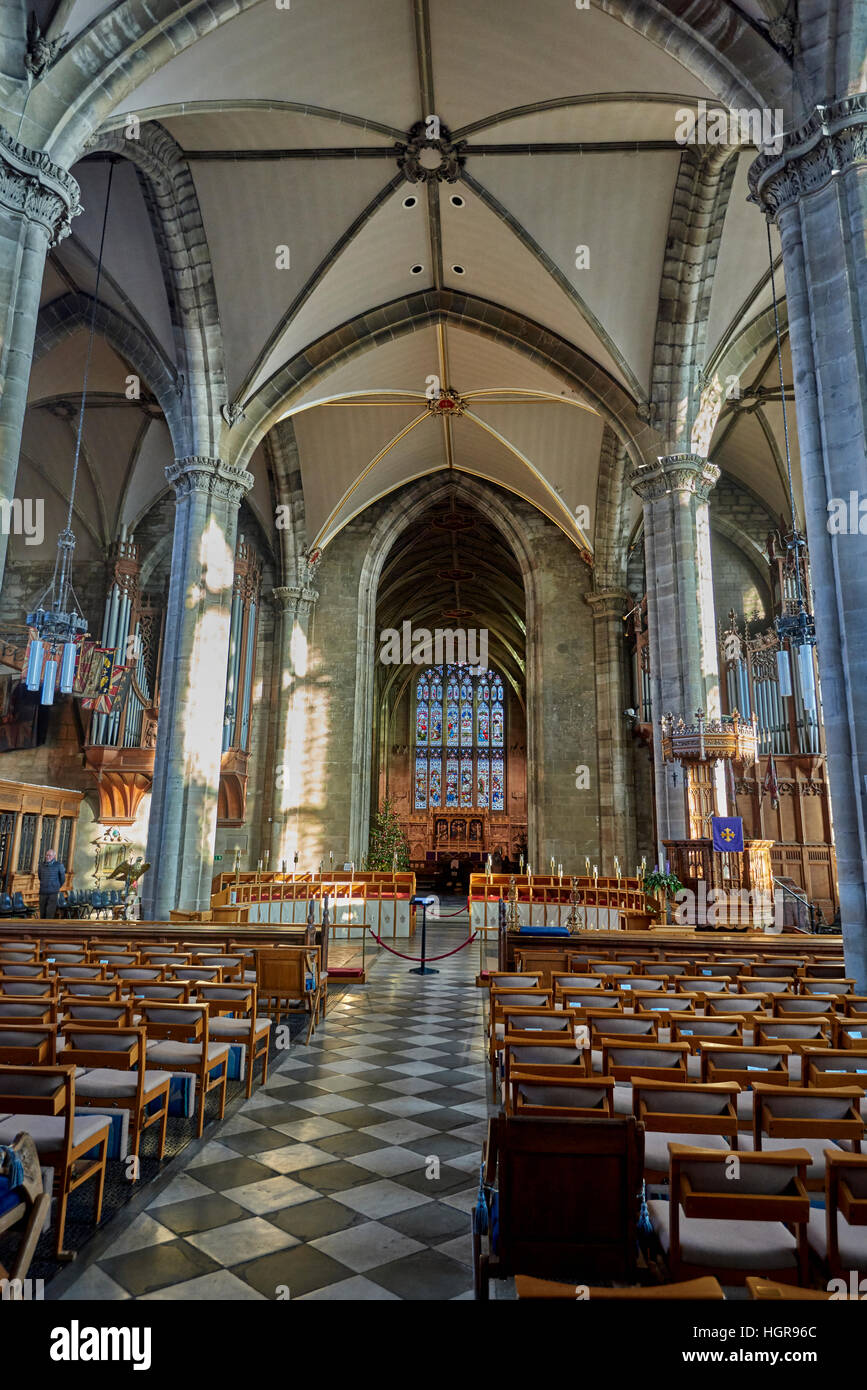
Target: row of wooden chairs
column 561, row 1198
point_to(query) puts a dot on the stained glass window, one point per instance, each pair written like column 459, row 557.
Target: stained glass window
column 497, row 781
column 420, row 783
column 460, row 724
column 482, row 782
column 466, row 779
column 451, row 781
column 436, row 779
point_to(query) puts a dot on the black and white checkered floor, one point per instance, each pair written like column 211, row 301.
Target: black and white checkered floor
column 350, row 1175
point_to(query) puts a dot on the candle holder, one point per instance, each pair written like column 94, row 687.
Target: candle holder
column 574, row 922
column 513, row 921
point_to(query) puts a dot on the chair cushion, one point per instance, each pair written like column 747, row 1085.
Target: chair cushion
column 177, row 1054
column 622, row 1098
column 229, row 1027
column 565, row 1096
column 852, row 1240
column 108, row 1082
column 758, row 1245
column 656, row 1155
column 47, row 1131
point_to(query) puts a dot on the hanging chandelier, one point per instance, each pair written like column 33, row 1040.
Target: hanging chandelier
column 57, row 623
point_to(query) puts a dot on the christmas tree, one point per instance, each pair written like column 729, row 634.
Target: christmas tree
column 386, row 840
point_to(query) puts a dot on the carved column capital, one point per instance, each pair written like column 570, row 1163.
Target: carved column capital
column 37, row 189
column 607, row 603
column 675, row 473
column 831, row 141
column 294, row 598
column 201, row 474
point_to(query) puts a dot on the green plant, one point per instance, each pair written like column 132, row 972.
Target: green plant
column 386, row 840
column 666, row 883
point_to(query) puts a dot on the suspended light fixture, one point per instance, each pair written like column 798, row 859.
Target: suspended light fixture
column 57, row 622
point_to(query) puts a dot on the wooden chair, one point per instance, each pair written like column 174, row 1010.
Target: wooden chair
column 232, row 1018
column 519, row 1022
column 744, row 1064
column 41, row 1101
column 28, row 1044
column 806, row 1032
column 697, row 1290
column 605, row 1023
column 514, row 979
column 542, row 1050
column 834, row 1066
column 692, row 1029
column 796, row 1006
column 15, row 1010
column 195, row 974
column 542, row 1090
column 732, row 1215
column 683, row 1113
column 851, row 1033
column 567, row 1201
column 178, row 1041
column 514, row 999
column 116, row 1076
column 96, row 1012
column 232, row 966
column 283, row 981
column 812, row 1117
column 26, row 1205
column 22, row 970
column 108, row 990
column 581, row 1002
column 114, row 959
column 716, row 1004
column 41, row 987
column 654, row 1060
column 838, row 1236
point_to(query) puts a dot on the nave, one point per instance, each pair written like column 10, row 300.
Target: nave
column 319, row 1183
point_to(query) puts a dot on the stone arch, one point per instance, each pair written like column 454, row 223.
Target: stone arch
column 419, row 311
column 403, row 509
column 135, row 38
column 64, row 316
column 179, row 233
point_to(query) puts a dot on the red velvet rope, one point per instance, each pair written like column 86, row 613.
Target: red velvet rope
column 403, row 956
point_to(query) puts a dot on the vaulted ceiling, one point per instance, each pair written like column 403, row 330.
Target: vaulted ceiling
column 293, row 124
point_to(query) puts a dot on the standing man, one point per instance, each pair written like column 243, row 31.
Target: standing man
column 52, row 876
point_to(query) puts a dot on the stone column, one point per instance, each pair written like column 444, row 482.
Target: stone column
column 616, row 823
column 183, row 816
column 816, row 190
column 38, row 200
column 684, row 671
column 292, row 781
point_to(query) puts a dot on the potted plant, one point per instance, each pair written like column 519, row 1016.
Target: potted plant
column 664, row 886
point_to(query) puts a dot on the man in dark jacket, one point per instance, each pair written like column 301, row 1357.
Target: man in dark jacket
column 52, row 876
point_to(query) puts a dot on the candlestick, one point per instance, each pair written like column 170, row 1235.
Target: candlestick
column 587, row 865
column 331, row 858
column 267, row 857
column 552, row 863
column 259, row 867
column 522, row 863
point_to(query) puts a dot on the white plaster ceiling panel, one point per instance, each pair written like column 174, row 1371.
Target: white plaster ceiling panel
column 476, row 451
column 268, row 127
column 47, row 448
column 148, row 479
column 60, row 372
column 484, row 364
column 75, row 260
column 590, row 120
column 618, row 206
column 346, row 56
column 400, row 364
column 53, row 284
column 248, row 214
column 497, row 267
column 31, row 485
column 336, row 444
column 373, row 269
column 490, row 59
column 562, row 442
column 743, row 451
column 742, row 262
column 109, row 441
column 130, row 255
column 81, row 14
